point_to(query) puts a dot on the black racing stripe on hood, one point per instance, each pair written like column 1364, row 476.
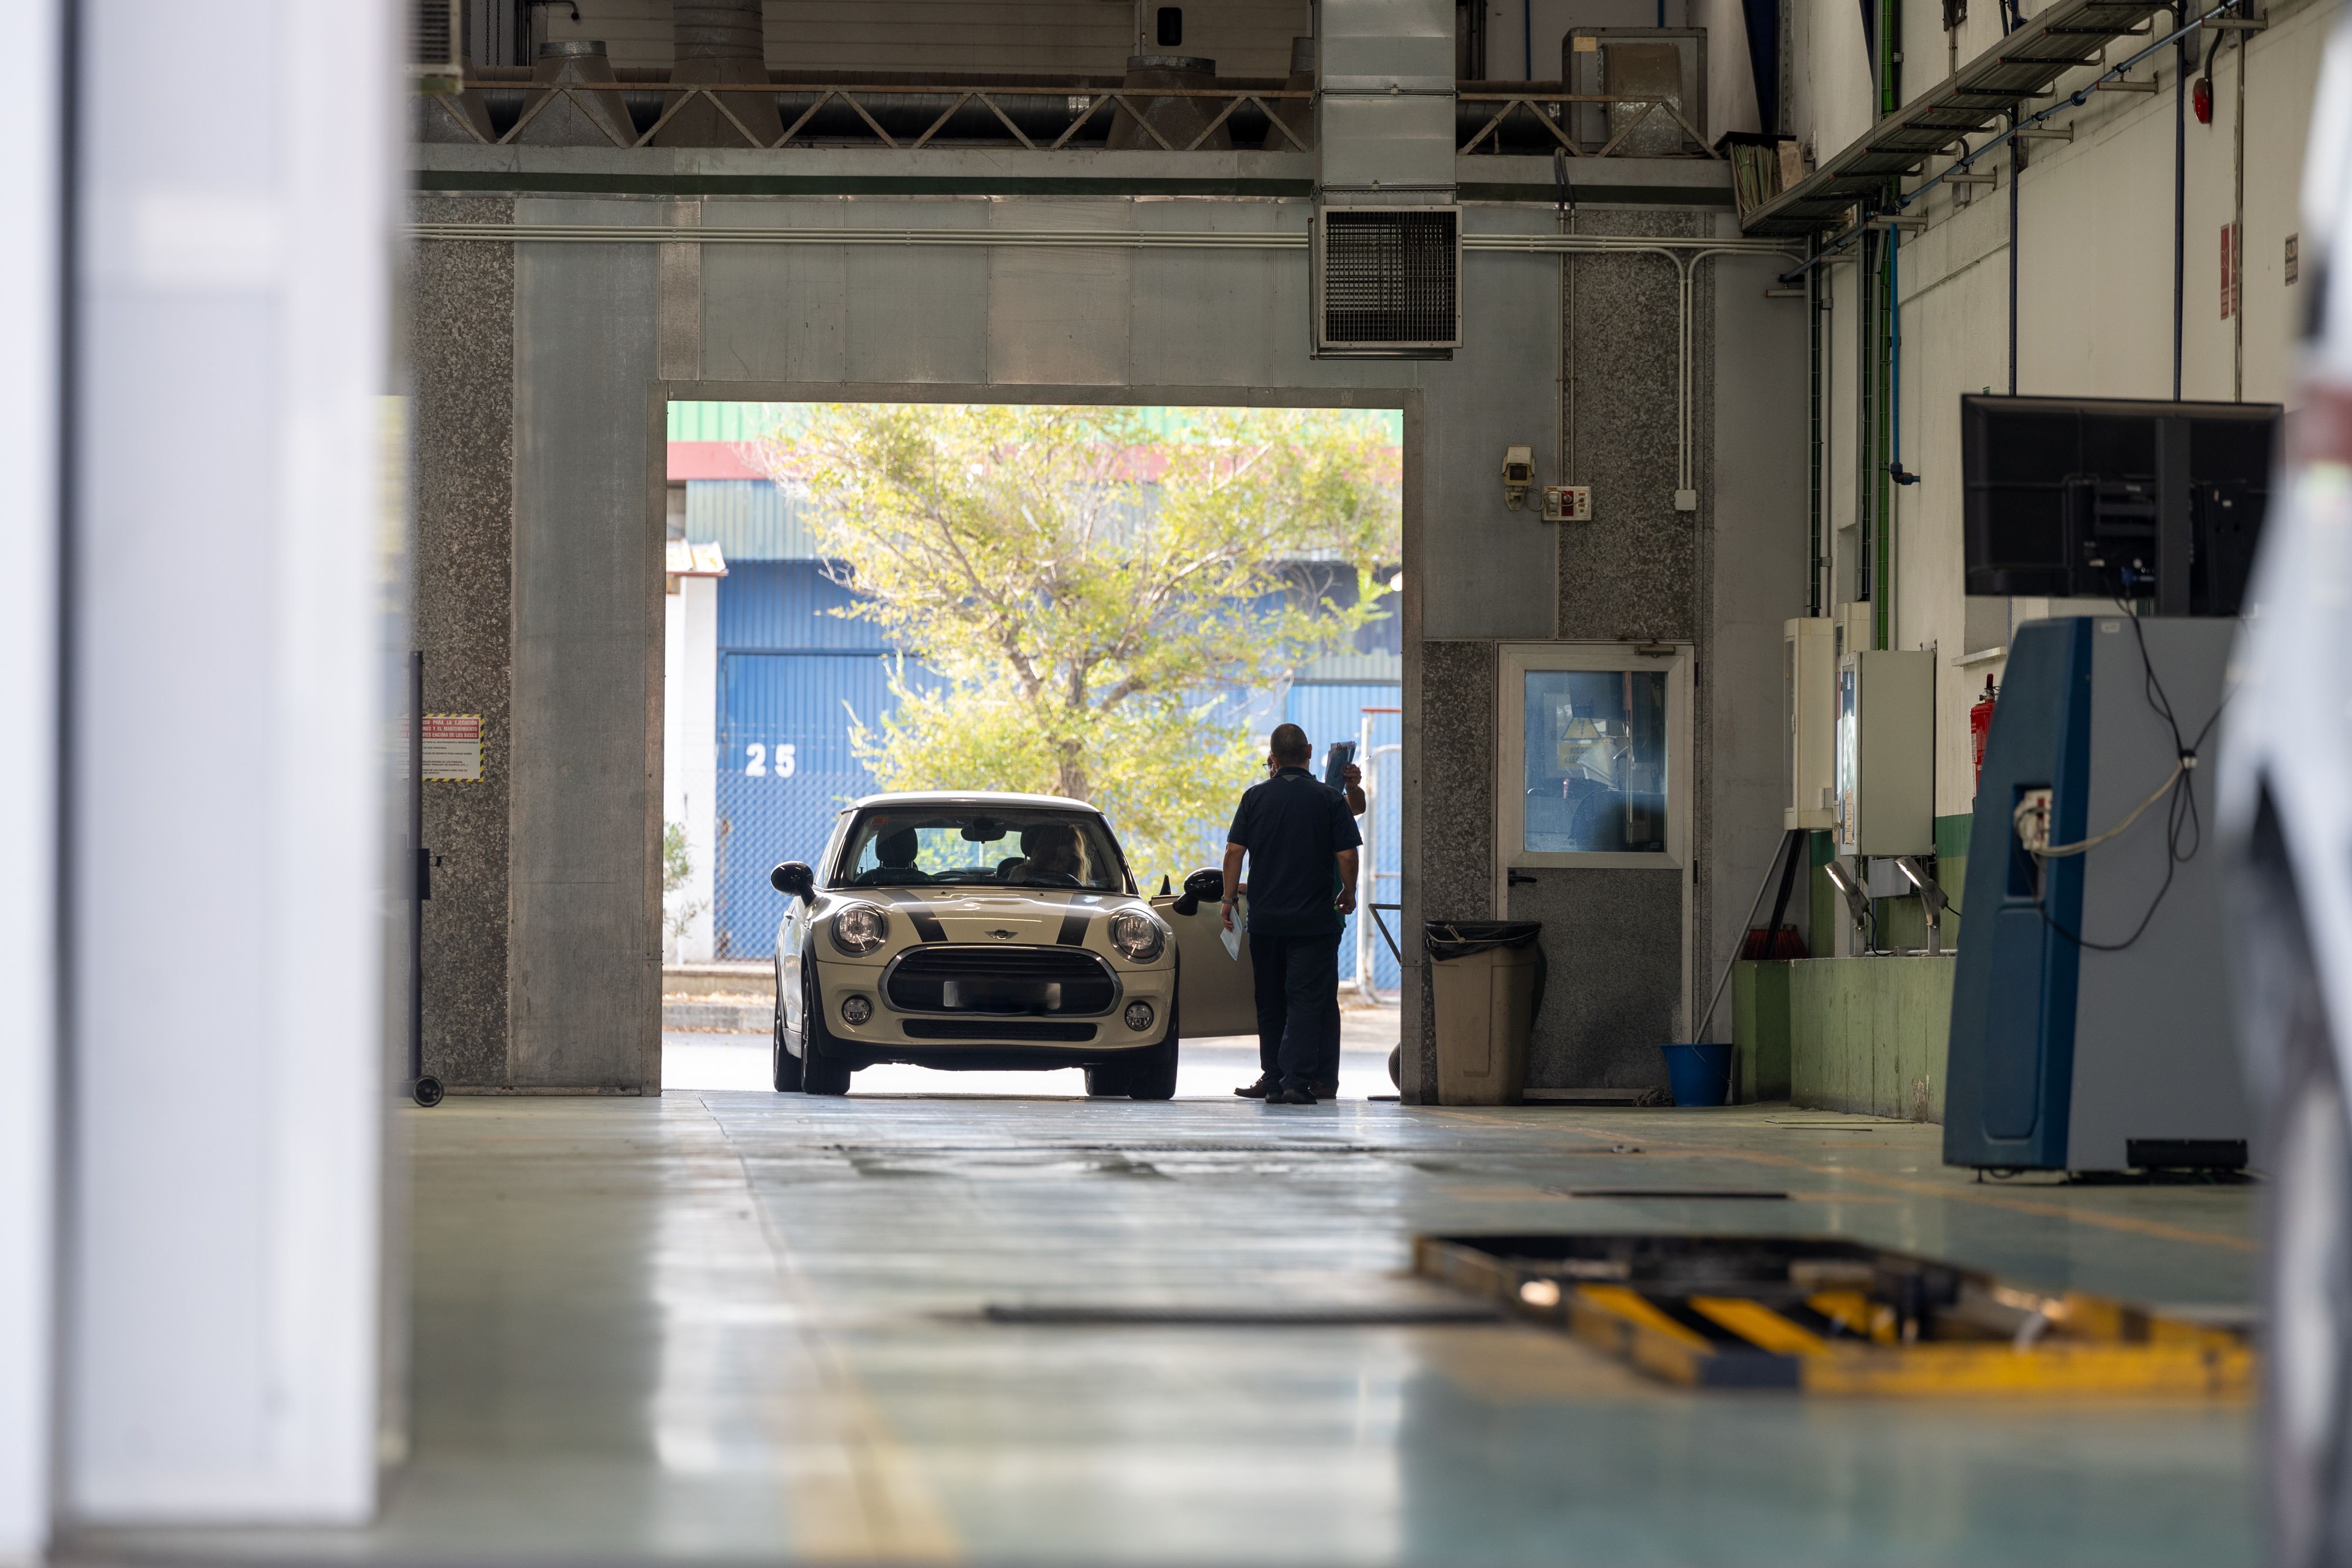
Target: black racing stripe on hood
column 1073, row 927
column 918, row 914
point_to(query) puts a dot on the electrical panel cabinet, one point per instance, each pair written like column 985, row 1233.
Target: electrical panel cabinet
column 1809, row 700
column 1886, row 752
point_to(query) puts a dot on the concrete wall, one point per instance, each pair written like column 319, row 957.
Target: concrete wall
column 792, row 321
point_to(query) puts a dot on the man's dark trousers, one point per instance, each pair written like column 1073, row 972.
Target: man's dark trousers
column 1297, row 990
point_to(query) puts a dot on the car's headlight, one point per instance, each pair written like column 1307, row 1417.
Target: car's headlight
column 860, row 928
column 1137, row 936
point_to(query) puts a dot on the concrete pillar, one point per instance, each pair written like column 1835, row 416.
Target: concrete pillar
column 461, row 352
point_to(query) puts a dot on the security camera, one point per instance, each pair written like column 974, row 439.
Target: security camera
column 1519, row 474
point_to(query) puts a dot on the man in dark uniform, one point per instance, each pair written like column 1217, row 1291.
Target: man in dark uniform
column 1301, row 841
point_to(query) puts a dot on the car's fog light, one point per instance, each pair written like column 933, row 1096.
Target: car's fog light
column 1139, row 1016
column 856, row 1009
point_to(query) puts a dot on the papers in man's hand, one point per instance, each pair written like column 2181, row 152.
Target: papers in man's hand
column 1233, row 934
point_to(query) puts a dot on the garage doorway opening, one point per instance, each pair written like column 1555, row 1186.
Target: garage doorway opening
column 1113, row 602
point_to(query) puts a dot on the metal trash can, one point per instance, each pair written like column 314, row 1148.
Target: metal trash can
column 1486, row 979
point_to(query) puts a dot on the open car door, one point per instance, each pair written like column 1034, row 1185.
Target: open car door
column 1215, row 992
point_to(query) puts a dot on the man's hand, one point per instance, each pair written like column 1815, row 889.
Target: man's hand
column 1226, row 915
column 1351, row 785
column 1346, row 903
column 1232, row 872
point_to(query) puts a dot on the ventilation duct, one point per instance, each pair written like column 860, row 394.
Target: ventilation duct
column 1386, row 267
column 436, row 53
column 719, row 42
column 1299, row 116
column 1177, row 120
column 594, row 118
column 1387, row 279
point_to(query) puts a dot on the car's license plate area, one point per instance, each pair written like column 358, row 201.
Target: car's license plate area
column 1000, row 996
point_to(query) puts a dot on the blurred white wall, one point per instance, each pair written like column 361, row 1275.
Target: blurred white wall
column 233, row 559
column 29, row 164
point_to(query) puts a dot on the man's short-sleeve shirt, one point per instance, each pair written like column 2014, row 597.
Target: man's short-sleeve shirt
column 1294, row 827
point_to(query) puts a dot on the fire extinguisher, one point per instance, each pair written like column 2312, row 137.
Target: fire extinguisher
column 1980, row 726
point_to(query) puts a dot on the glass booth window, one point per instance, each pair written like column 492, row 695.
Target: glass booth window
column 1596, row 762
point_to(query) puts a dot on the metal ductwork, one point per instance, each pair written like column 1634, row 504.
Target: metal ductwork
column 1388, row 238
column 595, row 117
column 1177, row 120
column 719, row 42
column 1299, row 116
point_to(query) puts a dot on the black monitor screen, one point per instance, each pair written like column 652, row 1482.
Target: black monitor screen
column 2062, row 497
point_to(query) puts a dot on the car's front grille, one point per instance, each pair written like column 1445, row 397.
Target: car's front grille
column 1001, row 980
column 1021, row 1030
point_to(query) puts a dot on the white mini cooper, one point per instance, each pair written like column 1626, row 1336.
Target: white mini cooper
column 994, row 931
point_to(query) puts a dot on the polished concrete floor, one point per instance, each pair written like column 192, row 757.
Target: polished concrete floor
column 733, row 1326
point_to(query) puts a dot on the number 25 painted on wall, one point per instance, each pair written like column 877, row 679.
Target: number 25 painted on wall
column 756, row 764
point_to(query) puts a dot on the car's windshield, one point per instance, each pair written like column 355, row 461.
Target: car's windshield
column 928, row 846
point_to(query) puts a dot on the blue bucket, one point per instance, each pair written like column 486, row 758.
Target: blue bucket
column 1699, row 1074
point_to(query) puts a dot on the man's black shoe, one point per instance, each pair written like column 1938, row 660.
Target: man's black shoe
column 1327, row 1089
column 1257, row 1091
column 1296, row 1096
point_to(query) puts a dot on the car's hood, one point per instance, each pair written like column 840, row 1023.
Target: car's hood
column 985, row 916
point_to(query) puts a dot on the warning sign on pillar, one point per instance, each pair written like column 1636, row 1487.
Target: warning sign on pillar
column 452, row 747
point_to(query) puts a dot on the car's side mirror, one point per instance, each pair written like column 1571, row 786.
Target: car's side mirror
column 1208, row 883
column 795, row 878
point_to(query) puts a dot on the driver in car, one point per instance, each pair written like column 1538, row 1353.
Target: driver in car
column 1049, row 856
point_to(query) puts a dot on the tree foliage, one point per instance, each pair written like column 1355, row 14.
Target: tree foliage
column 1090, row 593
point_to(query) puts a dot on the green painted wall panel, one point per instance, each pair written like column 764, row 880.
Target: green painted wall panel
column 1865, row 1035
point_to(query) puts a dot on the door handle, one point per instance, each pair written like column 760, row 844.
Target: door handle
column 1520, row 879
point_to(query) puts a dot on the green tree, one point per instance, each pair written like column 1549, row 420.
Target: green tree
column 1095, row 586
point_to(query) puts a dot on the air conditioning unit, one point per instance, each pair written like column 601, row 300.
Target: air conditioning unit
column 436, row 45
column 1387, row 280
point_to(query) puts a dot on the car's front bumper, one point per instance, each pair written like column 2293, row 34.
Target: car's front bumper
column 889, row 1034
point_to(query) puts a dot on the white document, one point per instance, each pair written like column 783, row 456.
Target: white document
column 1232, row 935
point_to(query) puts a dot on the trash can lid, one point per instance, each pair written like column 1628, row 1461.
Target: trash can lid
column 1446, row 939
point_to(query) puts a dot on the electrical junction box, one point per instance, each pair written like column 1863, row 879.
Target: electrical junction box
column 1809, row 701
column 2091, row 1015
column 1567, row 503
column 1886, row 752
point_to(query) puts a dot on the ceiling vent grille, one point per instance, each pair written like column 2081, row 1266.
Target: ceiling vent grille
column 1387, row 279
column 437, row 55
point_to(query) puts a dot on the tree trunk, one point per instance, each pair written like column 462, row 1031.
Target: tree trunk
column 1070, row 774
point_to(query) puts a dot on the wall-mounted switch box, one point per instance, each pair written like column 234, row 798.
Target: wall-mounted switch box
column 1808, row 696
column 1886, row 752
column 1568, row 504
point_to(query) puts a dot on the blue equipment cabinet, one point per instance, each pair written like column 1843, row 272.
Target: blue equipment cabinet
column 2065, row 1056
